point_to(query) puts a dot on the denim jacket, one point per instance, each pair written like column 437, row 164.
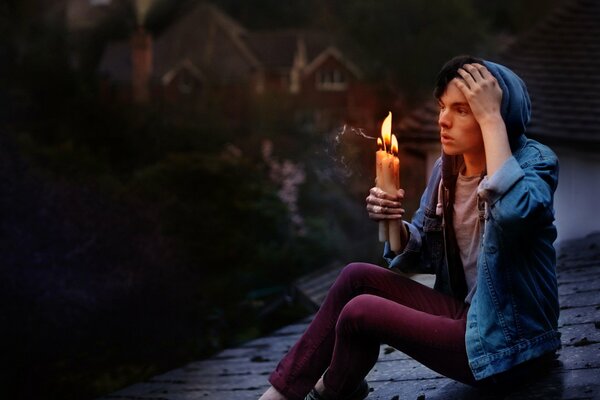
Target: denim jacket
column 513, row 315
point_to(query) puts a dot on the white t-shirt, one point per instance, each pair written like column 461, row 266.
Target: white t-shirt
column 467, row 228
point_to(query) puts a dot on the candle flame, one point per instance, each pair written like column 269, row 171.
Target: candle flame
column 386, row 130
column 379, row 144
column 394, row 145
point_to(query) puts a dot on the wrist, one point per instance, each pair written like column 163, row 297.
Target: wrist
column 491, row 122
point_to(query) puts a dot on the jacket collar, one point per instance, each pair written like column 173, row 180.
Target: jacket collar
column 451, row 165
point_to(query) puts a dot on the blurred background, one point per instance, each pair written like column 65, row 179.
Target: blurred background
column 170, row 167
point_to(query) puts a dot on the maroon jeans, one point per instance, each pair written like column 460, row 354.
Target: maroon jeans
column 367, row 306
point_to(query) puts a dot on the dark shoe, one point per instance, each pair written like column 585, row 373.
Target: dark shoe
column 361, row 392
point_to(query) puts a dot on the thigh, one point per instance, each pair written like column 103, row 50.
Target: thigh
column 372, row 279
column 436, row 341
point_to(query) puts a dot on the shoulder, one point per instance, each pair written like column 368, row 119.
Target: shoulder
column 534, row 152
column 436, row 172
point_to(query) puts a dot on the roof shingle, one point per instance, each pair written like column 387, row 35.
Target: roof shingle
column 241, row 373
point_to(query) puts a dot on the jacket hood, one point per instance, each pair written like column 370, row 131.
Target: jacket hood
column 516, row 105
column 515, row 109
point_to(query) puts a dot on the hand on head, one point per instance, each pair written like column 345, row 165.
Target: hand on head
column 481, row 90
column 382, row 206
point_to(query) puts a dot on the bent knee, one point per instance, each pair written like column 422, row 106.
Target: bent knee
column 357, row 271
column 358, row 314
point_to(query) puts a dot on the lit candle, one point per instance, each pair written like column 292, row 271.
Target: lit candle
column 380, row 155
column 388, row 177
column 394, row 233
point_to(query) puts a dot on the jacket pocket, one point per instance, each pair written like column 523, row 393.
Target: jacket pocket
column 434, row 242
column 432, row 224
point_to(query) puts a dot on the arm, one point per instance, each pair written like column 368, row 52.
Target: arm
column 520, row 195
column 414, row 256
column 485, row 96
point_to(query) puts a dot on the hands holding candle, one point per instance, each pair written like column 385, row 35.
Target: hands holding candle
column 384, row 200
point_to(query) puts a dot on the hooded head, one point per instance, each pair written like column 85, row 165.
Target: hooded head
column 516, row 105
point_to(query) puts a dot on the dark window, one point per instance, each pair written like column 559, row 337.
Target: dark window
column 187, row 83
column 331, row 79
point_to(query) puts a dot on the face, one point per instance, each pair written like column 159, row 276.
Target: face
column 459, row 131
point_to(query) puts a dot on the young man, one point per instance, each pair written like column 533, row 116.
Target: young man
column 484, row 227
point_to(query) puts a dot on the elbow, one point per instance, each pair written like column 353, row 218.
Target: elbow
column 523, row 214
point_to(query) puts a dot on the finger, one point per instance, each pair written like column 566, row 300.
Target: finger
column 382, row 194
column 462, row 86
column 387, row 204
column 467, row 78
column 474, row 70
column 401, row 193
column 398, row 213
column 381, row 217
column 487, row 76
column 485, row 73
column 384, row 210
column 386, row 217
column 377, row 209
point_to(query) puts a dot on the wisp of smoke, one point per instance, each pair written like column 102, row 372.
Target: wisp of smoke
column 340, row 169
column 355, row 131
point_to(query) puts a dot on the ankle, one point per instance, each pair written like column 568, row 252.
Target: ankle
column 272, row 394
column 320, row 386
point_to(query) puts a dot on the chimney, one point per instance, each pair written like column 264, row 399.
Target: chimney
column 141, row 65
column 298, row 65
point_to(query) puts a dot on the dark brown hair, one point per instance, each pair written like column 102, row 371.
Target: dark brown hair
column 450, row 71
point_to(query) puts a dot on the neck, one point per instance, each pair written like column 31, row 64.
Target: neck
column 474, row 164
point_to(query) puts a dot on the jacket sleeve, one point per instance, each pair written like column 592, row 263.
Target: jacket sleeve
column 411, row 259
column 519, row 196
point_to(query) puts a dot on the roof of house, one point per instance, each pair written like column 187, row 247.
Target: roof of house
column 218, row 46
column 201, row 35
column 242, row 372
column 559, row 59
column 211, row 40
column 277, row 49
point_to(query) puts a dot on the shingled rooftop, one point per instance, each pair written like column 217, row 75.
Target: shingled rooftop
column 241, row 373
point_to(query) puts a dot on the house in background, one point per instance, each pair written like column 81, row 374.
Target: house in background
column 204, row 49
column 559, row 59
column 86, row 22
column 324, row 84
